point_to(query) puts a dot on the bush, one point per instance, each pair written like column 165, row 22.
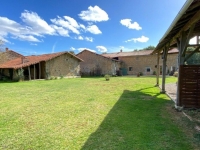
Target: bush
column 107, row 77
column 52, row 78
column 154, row 72
column 175, row 74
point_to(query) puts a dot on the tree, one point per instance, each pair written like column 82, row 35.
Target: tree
column 194, row 59
column 149, row 48
column 2, row 45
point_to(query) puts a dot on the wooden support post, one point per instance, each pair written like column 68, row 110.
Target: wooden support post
column 29, row 72
column 187, row 39
column 181, row 61
column 39, row 71
column 158, row 69
column 165, row 52
column 34, row 72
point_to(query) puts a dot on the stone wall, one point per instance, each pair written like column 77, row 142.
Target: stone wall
column 8, row 55
column 64, row 65
column 95, row 64
column 146, row 63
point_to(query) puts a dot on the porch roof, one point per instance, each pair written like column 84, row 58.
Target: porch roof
column 26, row 61
column 188, row 15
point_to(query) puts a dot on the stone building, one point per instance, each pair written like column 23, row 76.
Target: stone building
column 42, row 66
column 8, row 55
column 96, row 65
column 143, row 61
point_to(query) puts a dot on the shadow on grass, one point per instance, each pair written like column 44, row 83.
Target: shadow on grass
column 136, row 122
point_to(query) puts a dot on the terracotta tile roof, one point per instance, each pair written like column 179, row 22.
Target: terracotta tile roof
column 30, row 60
column 8, row 55
column 98, row 55
column 134, row 53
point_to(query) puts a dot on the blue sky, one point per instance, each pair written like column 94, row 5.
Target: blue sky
column 45, row 26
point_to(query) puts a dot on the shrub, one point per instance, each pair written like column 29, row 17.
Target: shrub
column 175, row 74
column 107, row 77
column 154, row 72
column 52, row 77
column 61, row 76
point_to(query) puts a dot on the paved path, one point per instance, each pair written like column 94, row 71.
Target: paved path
column 171, row 90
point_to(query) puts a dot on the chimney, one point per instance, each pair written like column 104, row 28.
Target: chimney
column 7, row 49
column 121, row 50
column 22, row 58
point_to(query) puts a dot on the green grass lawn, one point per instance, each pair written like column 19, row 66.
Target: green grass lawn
column 88, row 113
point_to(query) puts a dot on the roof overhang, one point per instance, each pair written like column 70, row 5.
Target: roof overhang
column 187, row 16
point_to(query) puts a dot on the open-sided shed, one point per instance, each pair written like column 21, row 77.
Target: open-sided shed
column 185, row 26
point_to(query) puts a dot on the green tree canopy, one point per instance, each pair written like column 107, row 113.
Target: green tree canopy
column 149, row 48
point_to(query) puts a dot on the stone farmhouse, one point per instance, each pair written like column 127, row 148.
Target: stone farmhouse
column 143, row 61
column 96, row 65
column 39, row 66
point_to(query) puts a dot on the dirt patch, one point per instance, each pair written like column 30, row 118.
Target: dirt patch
column 188, row 126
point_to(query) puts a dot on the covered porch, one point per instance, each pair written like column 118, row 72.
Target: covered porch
column 186, row 26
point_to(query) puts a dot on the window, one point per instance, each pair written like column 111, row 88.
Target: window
column 130, row 69
column 148, row 69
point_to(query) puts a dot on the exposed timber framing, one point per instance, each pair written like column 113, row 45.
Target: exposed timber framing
column 181, row 59
column 187, row 39
column 158, row 69
column 195, row 51
column 164, row 57
column 29, row 72
column 39, row 71
column 34, row 71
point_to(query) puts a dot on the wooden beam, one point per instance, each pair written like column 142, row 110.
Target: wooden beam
column 29, row 73
column 39, row 70
column 193, row 45
column 34, row 71
column 196, row 50
column 187, row 39
column 180, row 62
column 165, row 52
column 158, row 69
column 192, row 21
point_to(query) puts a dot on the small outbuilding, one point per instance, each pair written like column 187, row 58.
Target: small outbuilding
column 61, row 64
column 96, row 65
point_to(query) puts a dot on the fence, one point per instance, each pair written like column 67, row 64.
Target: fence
column 189, row 87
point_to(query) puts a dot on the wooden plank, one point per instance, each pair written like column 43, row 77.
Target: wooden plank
column 158, row 69
column 34, row 72
column 187, row 39
column 39, row 70
column 29, row 72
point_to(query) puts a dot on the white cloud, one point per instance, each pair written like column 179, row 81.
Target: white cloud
column 93, row 29
column 29, row 38
column 72, row 48
column 67, row 23
column 80, row 38
column 101, row 49
column 141, row 39
column 81, row 49
column 90, row 39
column 37, row 24
column 127, row 23
column 94, row 14
column 61, row 31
